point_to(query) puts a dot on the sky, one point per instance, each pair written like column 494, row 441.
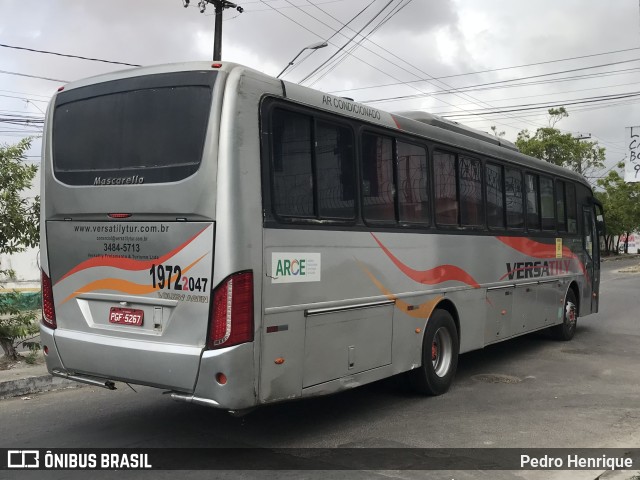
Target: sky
column 496, row 55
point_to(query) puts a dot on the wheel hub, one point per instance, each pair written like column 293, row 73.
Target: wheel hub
column 441, row 352
column 570, row 312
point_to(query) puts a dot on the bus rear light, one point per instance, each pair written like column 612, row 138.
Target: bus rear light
column 221, row 378
column 216, row 65
column 119, row 215
column 231, row 319
column 48, row 308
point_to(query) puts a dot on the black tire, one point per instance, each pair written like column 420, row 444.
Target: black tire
column 567, row 329
column 440, row 347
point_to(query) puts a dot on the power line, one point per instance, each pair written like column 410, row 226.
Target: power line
column 574, row 111
column 334, row 34
column 503, row 82
column 34, row 76
column 25, row 98
column 493, row 69
column 367, row 63
column 479, row 87
column 282, row 8
column 349, row 40
column 532, row 106
column 69, row 56
column 319, row 36
column 27, row 94
column 395, row 56
column 359, row 43
column 504, row 99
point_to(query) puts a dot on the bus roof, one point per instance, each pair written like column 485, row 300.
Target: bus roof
column 420, row 123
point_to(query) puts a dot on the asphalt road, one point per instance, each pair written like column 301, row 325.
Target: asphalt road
column 528, row 392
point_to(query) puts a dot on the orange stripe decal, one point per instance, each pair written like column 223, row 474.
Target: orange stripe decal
column 440, row 274
column 125, row 286
column 541, row 250
column 535, row 249
column 124, row 263
column 113, row 284
column 424, row 310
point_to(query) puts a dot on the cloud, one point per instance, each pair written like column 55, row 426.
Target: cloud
column 424, row 39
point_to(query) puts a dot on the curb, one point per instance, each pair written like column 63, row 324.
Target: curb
column 37, row 384
column 615, row 258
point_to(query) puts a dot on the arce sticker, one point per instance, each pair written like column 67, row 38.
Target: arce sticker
column 295, row 267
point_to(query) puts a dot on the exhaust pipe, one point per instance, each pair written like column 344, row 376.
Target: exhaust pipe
column 108, row 384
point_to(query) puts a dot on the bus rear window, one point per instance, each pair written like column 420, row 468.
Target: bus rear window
column 140, row 130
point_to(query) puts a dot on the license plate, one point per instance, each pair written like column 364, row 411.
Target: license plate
column 126, row 316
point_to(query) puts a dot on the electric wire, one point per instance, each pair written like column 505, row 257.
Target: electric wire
column 491, row 70
column 68, row 55
column 503, row 82
column 34, row 76
column 405, row 61
column 472, row 88
column 359, row 43
column 334, row 34
column 525, row 107
column 349, row 40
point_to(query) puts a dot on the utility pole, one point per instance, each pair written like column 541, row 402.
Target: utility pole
column 579, row 137
column 220, row 6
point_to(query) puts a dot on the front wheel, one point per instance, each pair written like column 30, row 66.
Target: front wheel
column 440, row 348
column 567, row 329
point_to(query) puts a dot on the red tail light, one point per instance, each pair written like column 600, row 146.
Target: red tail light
column 231, row 320
column 48, row 309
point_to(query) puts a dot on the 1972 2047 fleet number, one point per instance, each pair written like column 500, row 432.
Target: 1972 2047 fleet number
column 169, row 277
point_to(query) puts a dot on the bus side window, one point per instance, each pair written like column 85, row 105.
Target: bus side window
column 514, row 203
column 587, row 234
column 533, row 201
column 572, row 209
column 495, row 196
column 413, row 192
column 292, row 164
column 547, row 204
column 446, row 194
column 335, row 171
column 560, row 206
column 471, row 208
column 378, row 189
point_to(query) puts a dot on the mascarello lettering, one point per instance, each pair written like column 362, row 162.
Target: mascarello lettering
column 133, row 180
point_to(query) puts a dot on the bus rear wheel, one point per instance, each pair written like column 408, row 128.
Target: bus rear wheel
column 440, row 347
column 567, row 329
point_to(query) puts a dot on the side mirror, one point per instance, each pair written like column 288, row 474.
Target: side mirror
column 602, row 229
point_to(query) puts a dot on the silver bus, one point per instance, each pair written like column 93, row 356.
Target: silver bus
column 238, row 240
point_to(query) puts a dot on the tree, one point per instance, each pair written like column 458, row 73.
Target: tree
column 553, row 146
column 621, row 202
column 19, row 229
column 497, row 133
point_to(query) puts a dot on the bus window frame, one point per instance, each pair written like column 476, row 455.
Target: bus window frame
column 536, row 177
column 519, row 169
column 267, row 107
column 359, row 223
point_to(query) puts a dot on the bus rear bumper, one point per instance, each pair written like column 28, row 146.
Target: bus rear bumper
column 52, row 359
column 238, row 391
column 89, row 355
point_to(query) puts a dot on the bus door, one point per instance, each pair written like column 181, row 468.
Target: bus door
column 591, row 246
